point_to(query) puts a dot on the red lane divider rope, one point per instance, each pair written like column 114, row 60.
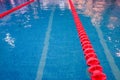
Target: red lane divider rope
column 95, row 69
column 15, row 8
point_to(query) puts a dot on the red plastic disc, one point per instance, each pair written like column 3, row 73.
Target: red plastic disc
column 89, row 50
column 86, row 46
column 82, row 33
column 93, row 68
column 84, row 39
column 97, row 75
column 78, row 24
column 93, row 61
column 83, row 36
column 81, row 30
column 85, row 42
column 90, row 55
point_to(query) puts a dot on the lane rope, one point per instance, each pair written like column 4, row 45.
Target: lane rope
column 94, row 67
column 15, row 8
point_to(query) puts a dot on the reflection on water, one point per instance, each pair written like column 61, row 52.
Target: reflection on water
column 118, row 53
column 9, row 40
column 103, row 13
column 35, row 12
column 96, row 8
column 25, row 11
column 8, row 4
column 12, row 2
column 47, row 3
column 92, row 8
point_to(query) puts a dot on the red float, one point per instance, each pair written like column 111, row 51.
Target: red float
column 83, row 36
column 93, row 61
column 84, row 39
column 82, row 33
column 85, row 42
column 90, row 55
column 93, row 68
column 87, row 51
column 85, row 46
column 97, row 75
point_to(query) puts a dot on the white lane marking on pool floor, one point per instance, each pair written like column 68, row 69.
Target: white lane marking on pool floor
column 114, row 67
column 45, row 48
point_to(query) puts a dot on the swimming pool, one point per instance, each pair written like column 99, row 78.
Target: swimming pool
column 40, row 41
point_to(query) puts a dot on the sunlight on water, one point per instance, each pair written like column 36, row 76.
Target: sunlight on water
column 35, row 13
column 112, row 22
column 96, row 9
column 61, row 3
column 9, row 40
column 118, row 54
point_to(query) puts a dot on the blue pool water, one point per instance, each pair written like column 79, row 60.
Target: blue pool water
column 40, row 41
